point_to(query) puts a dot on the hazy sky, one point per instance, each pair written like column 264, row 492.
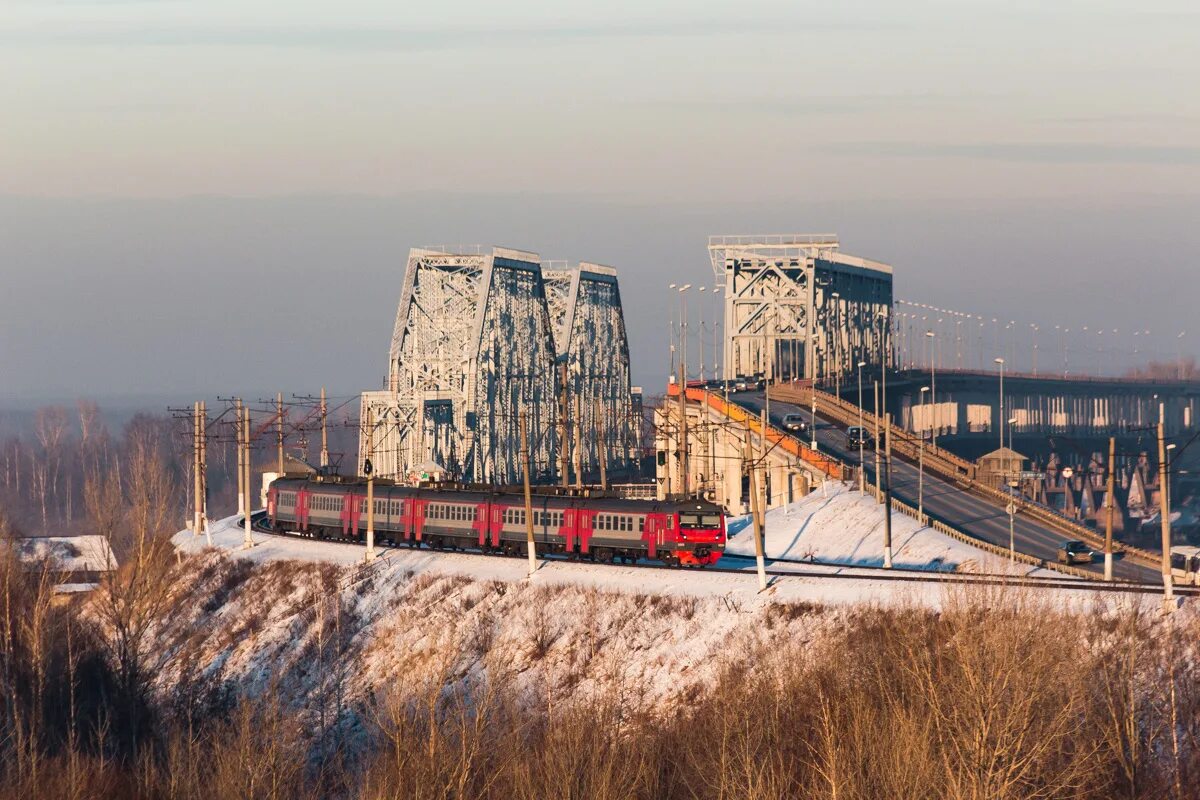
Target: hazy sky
column 220, row 195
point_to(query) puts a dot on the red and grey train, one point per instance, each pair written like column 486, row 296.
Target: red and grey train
column 680, row 532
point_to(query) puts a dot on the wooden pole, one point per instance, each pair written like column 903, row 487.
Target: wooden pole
column 1111, row 501
column 684, row 478
column 529, row 545
column 371, row 483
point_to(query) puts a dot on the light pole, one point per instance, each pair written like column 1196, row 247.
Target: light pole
column 933, row 388
column 1034, row 328
column 1012, row 514
column 921, row 461
column 862, row 479
column 1000, row 416
column 837, row 348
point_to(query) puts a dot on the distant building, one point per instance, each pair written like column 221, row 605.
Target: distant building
column 81, row 560
column 1000, row 466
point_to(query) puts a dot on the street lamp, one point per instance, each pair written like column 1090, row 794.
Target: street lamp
column 1000, row 416
column 862, row 480
column 1012, row 513
column 933, row 387
column 837, row 349
column 921, row 460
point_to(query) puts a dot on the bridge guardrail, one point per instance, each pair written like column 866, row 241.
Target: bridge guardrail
column 981, row 544
column 903, row 442
column 958, row 469
column 827, row 465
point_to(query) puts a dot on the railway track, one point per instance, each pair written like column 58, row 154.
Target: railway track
column 845, row 572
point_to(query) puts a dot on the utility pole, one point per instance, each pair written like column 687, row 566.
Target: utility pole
column 324, row 430
column 1164, row 480
column 369, row 468
column 683, row 430
column 887, row 498
column 564, row 439
column 1110, row 500
column 248, row 541
column 862, row 471
column 601, row 445
column 241, row 467
column 578, row 442
column 197, row 488
column 756, row 510
column 204, row 473
column 878, row 445
column 279, row 430
column 529, row 546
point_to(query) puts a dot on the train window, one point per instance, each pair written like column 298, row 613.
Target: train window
column 641, row 524
column 699, row 521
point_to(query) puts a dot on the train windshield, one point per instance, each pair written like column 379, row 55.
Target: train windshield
column 699, row 520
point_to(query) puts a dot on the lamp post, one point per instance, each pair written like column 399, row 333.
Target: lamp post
column 921, row 461
column 837, row 348
column 862, row 480
column 1012, row 514
column 1000, row 416
column 933, row 388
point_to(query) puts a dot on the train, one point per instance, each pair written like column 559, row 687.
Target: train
column 580, row 525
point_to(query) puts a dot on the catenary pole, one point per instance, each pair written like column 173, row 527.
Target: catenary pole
column 370, row 556
column 248, row 540
column 1110, row 501
column 529, row 546
column 887, row 500
column 756, row 511
column 1164, row 478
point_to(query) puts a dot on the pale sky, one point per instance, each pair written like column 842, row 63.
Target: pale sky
column 156, row 157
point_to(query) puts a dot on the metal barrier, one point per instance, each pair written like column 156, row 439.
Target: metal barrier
column 827, row 465
column 961, row 471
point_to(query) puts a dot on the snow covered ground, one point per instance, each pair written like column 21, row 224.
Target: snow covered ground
column 841, row 531
column 837, row 525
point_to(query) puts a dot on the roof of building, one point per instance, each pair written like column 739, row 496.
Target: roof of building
column 70, row 553
column 1003, row 454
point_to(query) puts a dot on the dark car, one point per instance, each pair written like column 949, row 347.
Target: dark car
column 795, row 423
column 856, row 436
column 1075, row 552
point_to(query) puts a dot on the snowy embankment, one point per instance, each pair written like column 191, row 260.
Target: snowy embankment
column 838, row 525
column 315, row 624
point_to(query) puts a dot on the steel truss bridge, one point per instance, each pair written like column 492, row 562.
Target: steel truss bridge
column 483, row 337
column 798, row 307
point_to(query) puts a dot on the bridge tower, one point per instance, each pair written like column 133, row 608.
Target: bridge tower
column 797, row 307
column 472, row 347
column 589, row 331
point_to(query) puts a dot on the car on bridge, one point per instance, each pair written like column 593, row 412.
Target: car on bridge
column 795, row 423
column 858, row 436
column 1075, row 552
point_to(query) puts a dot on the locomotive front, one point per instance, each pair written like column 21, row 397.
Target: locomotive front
column 701, row 537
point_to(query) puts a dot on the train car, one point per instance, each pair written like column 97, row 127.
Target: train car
column 607, row 529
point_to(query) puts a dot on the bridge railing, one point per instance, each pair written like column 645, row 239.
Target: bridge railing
column 961, row 471
column 904, row 442
column 827, row 465
column 982, row 544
